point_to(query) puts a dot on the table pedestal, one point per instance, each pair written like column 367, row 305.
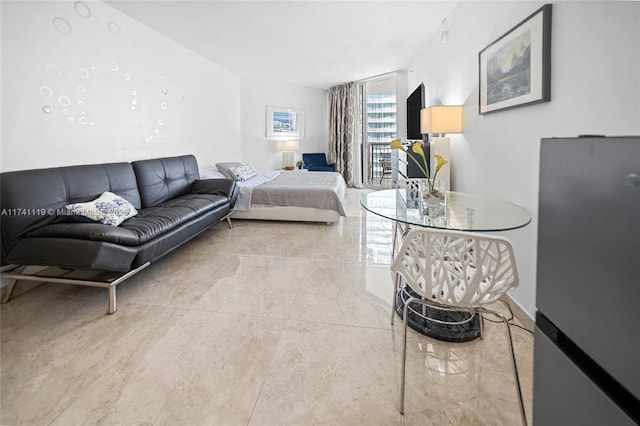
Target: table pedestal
column 420, row 319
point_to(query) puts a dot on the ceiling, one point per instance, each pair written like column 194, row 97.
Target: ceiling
column 310, row 43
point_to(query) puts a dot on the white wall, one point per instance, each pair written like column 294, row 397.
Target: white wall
column 595, row 89
column 84, row 83
column 256, row 96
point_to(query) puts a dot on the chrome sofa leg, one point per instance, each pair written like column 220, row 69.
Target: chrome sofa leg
column 228, row 218
column 112, row 300
column 7, row 290
column 109, row 284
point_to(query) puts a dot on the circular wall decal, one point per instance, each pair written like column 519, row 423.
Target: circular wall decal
column 82, row 9
column 46, row 91
column 62, row 25
column 114, row 28
column 53, row 70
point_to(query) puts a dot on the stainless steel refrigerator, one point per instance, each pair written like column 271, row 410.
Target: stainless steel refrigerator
column 587, row 341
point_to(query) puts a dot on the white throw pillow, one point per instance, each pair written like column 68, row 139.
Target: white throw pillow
column 108, row 208
column 242, row 173
column 224, row 168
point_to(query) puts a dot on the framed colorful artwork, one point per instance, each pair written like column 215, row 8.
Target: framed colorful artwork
column 515, row 70
column 284, row 123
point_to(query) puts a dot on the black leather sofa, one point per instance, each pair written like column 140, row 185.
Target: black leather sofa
column 173, row 206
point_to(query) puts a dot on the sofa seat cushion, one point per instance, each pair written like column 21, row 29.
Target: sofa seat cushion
column 148, row 224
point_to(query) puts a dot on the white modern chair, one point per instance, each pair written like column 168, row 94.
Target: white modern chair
column 459, row 271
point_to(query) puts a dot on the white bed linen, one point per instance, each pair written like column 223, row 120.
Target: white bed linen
column 245, row 188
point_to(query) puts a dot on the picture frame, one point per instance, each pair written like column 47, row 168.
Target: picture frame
column 515, row 70
column 284, row 123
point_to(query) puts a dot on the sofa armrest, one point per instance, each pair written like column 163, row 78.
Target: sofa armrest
column 226, row 187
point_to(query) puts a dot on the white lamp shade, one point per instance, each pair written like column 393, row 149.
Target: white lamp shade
column 441, row 119
column 288, row 146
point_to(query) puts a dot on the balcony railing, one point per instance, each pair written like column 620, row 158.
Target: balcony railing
column 374, row 152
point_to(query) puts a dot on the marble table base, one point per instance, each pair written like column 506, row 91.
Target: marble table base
column 421, row 320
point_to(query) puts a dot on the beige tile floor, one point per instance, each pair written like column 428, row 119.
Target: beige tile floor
column 267, row 323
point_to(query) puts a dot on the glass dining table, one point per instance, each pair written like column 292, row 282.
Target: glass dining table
column 461, row 212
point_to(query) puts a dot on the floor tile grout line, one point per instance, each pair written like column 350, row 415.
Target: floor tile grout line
column 276, row 346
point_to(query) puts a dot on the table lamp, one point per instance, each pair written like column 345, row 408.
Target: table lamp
column 288, row 157
column 441, row 120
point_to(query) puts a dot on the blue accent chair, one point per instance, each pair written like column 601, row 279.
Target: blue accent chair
column 317, row 162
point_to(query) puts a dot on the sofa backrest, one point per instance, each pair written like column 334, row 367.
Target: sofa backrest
column 33, row 198
column 162, row 179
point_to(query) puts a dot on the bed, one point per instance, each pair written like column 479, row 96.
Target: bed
column 296, row 195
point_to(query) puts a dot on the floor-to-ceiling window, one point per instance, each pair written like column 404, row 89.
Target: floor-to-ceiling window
column 379, row 124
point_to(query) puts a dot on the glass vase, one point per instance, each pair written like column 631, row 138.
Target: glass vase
column 434, row 196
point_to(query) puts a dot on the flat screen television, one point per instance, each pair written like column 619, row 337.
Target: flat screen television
column 415, row 102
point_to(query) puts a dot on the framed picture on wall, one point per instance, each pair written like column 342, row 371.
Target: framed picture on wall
column 284, row 123
column 515, row 70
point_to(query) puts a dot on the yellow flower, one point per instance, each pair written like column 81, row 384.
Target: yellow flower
column 396, row 144
column 417, row 148
column 440, row 161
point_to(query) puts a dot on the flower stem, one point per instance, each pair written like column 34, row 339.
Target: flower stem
column 424, row 171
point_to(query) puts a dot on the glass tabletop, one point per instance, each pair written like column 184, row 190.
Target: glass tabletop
column 462, row 211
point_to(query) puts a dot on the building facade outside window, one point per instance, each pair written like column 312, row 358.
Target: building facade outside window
column 380, row 128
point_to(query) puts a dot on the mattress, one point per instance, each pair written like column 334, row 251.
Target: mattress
column 321, row 190
column 299, row 190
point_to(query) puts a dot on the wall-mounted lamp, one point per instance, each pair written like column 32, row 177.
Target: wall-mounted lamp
column 288, row 157
column 441, row 120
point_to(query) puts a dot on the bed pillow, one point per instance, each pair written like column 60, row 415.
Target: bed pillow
column 242, row 173
column 108, row 208
column 211, row 174
column 224, row 168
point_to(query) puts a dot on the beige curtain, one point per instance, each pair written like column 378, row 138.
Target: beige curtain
column 344, row 146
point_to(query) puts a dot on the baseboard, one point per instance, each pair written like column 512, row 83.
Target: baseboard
column 520, row 314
